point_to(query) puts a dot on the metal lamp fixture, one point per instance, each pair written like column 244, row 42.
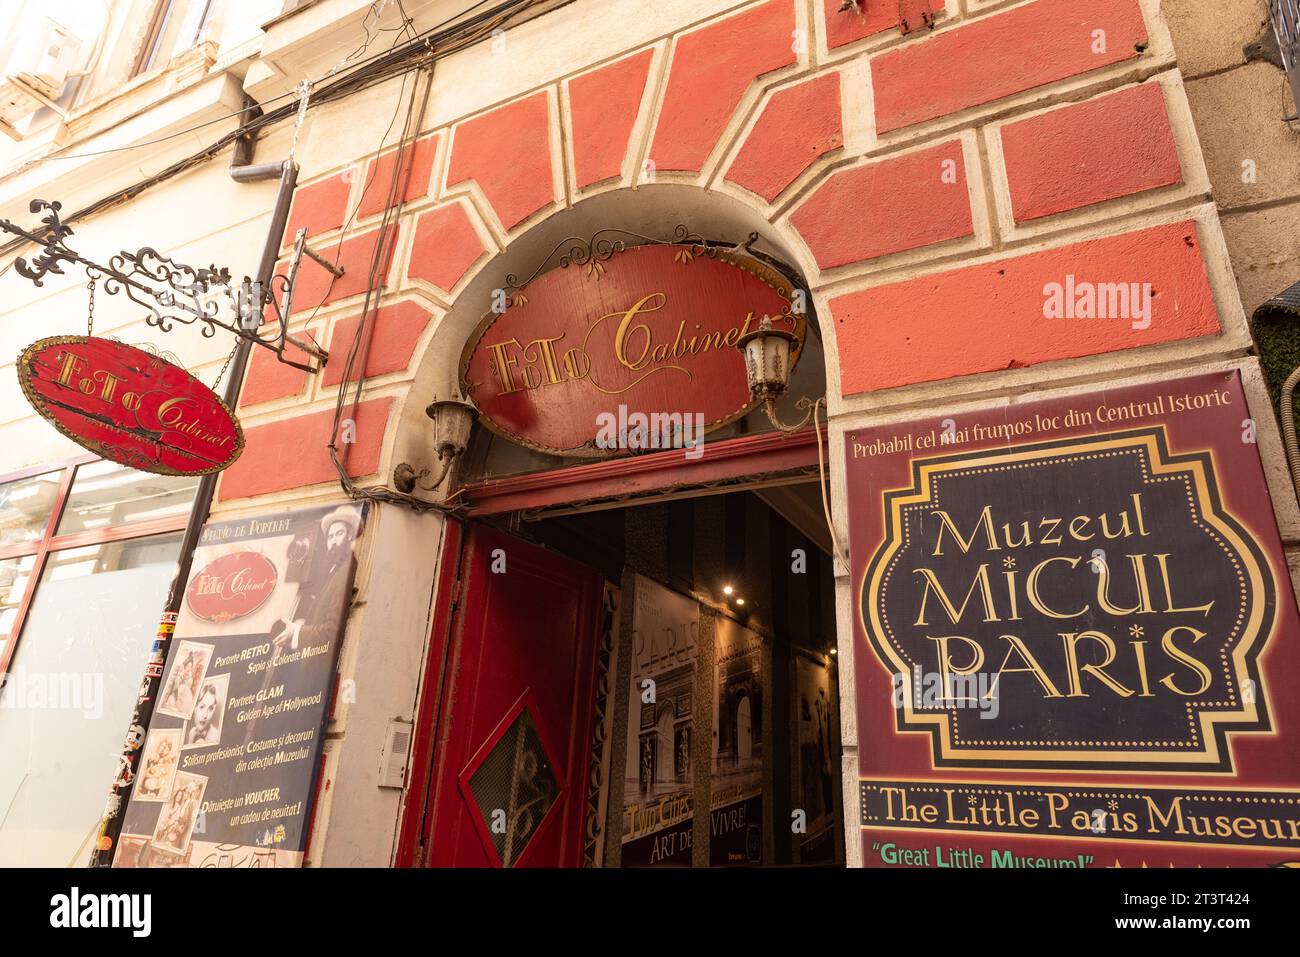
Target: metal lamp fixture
column 453, row 420
column 767, row 366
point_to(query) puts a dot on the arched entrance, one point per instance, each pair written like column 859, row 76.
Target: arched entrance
column 628, row 630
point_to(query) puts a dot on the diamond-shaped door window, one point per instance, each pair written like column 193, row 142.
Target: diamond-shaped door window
column 514, row 787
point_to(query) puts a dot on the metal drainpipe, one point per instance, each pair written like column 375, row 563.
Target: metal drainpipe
column 111, row 824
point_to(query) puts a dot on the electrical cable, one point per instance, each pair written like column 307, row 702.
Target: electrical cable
column 406, row 27
column 439, row 40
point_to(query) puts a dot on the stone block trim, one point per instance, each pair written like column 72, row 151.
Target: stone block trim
column 846, row 26
column 1001, row 55
column 1115, row 145
column 293, row 453
column 712, row 68
column 269, row 378
column 799, row 124
column 316, row 286
column 507, row 151
column 993, row 315
column 393, row 334
column 417, row 163
column 887, row 207
column 603, row 107
column 321, row 206
column 445, row 246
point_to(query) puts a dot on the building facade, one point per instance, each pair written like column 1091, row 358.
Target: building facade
column 982, row 211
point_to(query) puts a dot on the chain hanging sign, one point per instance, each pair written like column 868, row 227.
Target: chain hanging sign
column 129, row 406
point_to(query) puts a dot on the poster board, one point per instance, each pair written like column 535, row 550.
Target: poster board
column 229, row 764
column 1074, row 635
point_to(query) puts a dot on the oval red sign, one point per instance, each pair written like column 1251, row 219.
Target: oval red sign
column 129, row 406
column 650, row 332
column 231, row 586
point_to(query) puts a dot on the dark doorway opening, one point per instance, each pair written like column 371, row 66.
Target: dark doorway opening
column 720, row 744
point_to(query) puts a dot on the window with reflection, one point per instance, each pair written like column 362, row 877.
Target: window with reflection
column 87, row 553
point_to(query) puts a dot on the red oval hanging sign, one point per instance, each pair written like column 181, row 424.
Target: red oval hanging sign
column 129, row 406
column 645, row 339
column 231, row 586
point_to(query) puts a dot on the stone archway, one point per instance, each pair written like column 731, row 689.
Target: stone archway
column 653, row 211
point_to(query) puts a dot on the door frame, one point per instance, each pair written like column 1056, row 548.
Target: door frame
column 417, row 794
column 733, row 459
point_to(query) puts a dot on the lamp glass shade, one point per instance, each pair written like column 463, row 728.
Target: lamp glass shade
column 452, row 422
column 767, row 361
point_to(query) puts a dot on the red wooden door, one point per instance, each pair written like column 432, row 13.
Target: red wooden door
column 511, row 764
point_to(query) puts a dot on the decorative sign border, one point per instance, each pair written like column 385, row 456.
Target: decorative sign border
column 1197, row 470
column 113, row 453
column 764, row 273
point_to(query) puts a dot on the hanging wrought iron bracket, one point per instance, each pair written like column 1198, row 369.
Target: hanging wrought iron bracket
column 174, row 292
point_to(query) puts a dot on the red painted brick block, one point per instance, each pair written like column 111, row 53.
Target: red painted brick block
column 269, row 378
column 992, row 316
column 711, row 70
column 417, row 164
column 314, row 282
column 1001, row 55
column 603, row 105
column 393, row 333
column 445, row 246
column 293, row 453
column 320, row 207
column 845, row 26
column 799, row 124
column 508, row 153
column 887, row 207
column 1113, row 146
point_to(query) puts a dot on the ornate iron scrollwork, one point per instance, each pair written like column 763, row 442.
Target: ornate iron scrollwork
column 596, row 250
column 171, row 291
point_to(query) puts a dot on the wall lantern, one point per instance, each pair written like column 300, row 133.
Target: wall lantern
column 767, row 365
column 453, row 420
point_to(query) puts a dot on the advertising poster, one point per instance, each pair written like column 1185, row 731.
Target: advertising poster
column 228, row 767
column 1075, row 636
column 818, row 776
column 736, row 783
column 658, row 803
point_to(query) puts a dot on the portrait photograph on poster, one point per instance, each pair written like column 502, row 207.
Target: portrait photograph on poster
column 158, row 762
column 184, row 680
column 203, row 729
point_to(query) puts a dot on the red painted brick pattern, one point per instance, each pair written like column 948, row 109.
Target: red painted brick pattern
column 1001, row 55
column 876, row 17
column 798, row 125
column 313, row 283
column 887, row 207
column 393, row 333
column 417, row 162
column 293, row 453
column 269, row 378
column 508, row 153
column 1113, row 146
column 320, row 207
column 603, row 106
column 445, row 246
column 711, row 70
column 991, row 316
